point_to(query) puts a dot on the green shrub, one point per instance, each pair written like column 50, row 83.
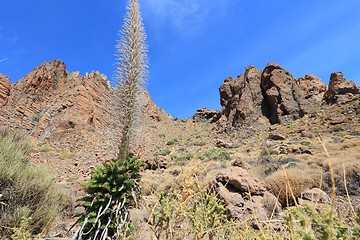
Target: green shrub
column 162, row 153
column 110, row 192
column 199, row 143
column 220, row 154
column 305, row 143
column 307, row 222
column 36, row 118
column 171, row 142
column 200, row 214
column 337, row 128
column 181, row 158
column 27, row 192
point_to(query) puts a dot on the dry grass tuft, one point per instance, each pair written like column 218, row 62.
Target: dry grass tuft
column 289, row 183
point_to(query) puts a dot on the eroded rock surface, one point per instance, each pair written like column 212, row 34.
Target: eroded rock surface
column 340, row 90
column 273, row 94
column 4, row 89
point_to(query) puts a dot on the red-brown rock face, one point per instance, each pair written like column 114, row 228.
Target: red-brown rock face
column 340, row 89
column 287, row 98
column 4, row 89
column 273, row 93
column 51, row 102
column 241, row 98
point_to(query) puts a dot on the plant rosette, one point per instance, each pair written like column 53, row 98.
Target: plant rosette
column 110, row 191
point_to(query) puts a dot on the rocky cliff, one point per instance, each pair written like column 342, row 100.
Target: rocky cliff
column 50, row 102
column 273, row 96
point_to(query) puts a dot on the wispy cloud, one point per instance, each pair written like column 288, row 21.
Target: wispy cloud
column 185, row 15
column 2, row 60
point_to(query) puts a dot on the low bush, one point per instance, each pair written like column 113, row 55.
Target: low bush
column 220, row 154
column 26, row 192
column 162, row 153
column 182, row 157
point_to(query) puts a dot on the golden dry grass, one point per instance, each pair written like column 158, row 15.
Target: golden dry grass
column 291, row 182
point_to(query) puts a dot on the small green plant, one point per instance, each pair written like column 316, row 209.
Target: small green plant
column 199, row 143
column 36, row 118
column 171, row 142
column 337, row 128
column 110, row 191
column 268, row 151
column 181, row 158
column 162, row 153
column 67, row 156
column 22, row 232
column 305, row 143
column 220, row 154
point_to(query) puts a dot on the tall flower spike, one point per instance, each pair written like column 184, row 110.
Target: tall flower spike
column 131, row 72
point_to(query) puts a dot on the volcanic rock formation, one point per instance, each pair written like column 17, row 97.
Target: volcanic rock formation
column 274, row 94
column 50, row 101
column 340, row 90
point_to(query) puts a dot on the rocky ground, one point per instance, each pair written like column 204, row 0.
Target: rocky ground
column 269, row 121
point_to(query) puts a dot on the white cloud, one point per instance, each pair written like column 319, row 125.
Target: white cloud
column 2, row 60
column 185, row 15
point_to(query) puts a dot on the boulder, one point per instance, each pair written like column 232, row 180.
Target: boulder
column 241, row 180
column 244, row 195
column 315, row 195
column 340, row 90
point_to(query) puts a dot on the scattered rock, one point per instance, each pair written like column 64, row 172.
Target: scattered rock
column 306, row 134
column 240, row 163
column 222, row 144
column 315, row 195
column 336, row 121
column 301, row 150
column 158, row 162
column 244, row 195
column 276, row 137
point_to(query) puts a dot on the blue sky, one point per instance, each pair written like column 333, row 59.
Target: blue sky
column 193, row 44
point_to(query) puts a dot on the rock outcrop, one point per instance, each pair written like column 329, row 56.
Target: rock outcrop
column 241, row 98
column 288, row 98
column 340, row 90
column 206, row 114
column 4, row 89
column 273, row 94
column 50, row 102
